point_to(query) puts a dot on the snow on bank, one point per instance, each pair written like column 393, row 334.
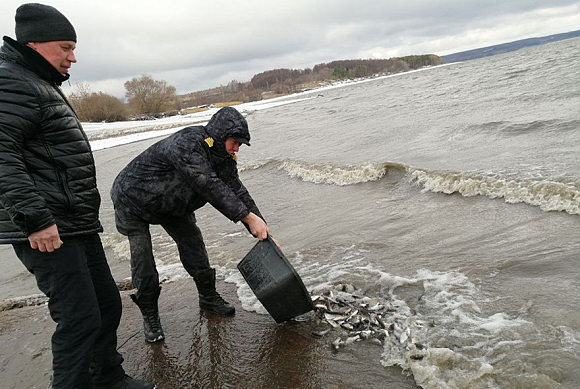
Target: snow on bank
column 147, row 129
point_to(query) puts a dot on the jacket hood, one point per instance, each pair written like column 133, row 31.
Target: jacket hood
column 24, row 56
column 225, row 123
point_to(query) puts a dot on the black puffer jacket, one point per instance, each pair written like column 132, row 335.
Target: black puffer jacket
column 47, row 171
column 186, row 170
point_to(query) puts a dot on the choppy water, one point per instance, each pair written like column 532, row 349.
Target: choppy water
column 454, row 191
column 459, row 183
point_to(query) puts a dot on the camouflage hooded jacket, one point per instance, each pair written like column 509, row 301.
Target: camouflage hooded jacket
column 186, row 170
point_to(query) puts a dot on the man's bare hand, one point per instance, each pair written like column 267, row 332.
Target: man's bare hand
column 257, row 226
column 45, row 240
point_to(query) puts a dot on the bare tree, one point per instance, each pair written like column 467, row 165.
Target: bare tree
column 81, row 91
column 146, row 95
column 96, row 107
column 106, row 108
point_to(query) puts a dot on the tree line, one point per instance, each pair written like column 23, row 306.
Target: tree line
column 283, row 81
column 147, row 97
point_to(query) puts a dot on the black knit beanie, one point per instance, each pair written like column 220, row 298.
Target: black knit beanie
column 42, row 23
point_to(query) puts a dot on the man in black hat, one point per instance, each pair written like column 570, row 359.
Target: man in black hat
column 49, row 202
column 164, row 185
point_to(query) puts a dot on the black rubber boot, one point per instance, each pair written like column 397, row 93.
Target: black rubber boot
column 151, row 324
column 209, row 298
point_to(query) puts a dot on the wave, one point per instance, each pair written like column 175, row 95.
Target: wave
column 254, row 165
column 544, row 193
column 334, row 175
column 550, row 194
column 328, row 173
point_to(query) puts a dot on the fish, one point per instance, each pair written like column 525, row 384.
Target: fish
column 342, row 310
column 332, row 323
column 404, row 335
column 381, row 322
column 375, row 307
column 334, row 316
column 354, row 317
column 366, row 334
column 321, row 333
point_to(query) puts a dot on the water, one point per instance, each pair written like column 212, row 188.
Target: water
column 460, row 181
column 454, row 191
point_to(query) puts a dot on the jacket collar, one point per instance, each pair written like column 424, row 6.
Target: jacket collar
column 26, row 57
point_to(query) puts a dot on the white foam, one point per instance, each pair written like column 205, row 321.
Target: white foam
column 463, row 342
column 247, row 297
column 500, row 321
column 253, row 165
column 333, row 174
column 172, row 272
column 452, row 370
column 118, row 243
column 546, row 194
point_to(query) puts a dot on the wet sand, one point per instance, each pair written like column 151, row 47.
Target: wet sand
column 203, row 350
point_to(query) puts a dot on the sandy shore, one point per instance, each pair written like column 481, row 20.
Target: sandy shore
column 203, row 350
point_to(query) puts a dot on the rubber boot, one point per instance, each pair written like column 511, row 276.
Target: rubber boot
column 151, row 324
column 209, row 298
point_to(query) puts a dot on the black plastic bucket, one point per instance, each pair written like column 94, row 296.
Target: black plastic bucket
column 275, row 282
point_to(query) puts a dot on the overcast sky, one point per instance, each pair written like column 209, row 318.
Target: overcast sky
column 199, row 44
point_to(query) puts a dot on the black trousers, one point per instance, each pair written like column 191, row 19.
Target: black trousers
column 184, row 232
column 85, row 304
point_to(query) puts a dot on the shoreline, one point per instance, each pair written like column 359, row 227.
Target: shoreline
column 203, row 350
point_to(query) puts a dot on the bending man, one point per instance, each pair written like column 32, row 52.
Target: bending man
column 164, row 185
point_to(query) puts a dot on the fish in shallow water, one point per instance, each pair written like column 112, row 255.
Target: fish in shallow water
column 356, row 317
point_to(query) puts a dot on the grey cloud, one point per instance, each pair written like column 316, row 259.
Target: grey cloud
column 199, row 44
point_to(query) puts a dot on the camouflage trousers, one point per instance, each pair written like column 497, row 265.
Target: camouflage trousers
column 184, row 231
